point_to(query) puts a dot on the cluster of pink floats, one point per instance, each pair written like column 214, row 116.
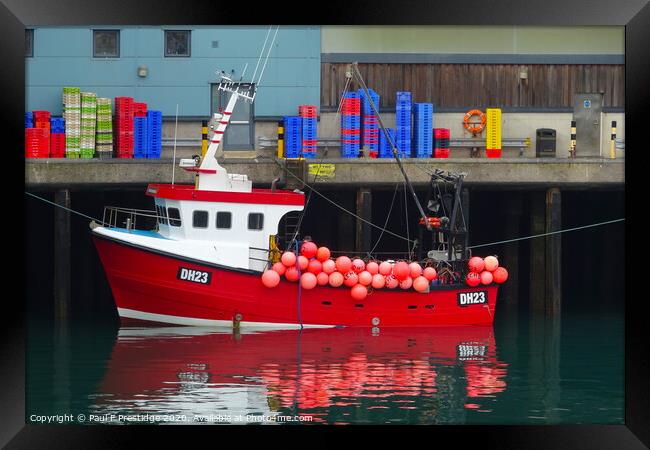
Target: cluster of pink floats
column 485, row 271
column 314, row 267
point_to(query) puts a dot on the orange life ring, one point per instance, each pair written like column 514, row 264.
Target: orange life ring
column 474, row 127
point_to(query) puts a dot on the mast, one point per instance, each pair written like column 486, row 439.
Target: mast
column 362, row 83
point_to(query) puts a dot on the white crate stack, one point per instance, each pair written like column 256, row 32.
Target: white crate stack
column 104, row 130
column 72, row 116
column 88, row 124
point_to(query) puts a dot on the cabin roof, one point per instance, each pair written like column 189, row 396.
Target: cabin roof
column 256, row 196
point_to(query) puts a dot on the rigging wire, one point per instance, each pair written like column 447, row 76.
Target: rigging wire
column 548, row 234
column 320, row 164
column 371, row 252
column 328, row 200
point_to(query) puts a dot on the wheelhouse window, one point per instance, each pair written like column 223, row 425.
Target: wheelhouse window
column 106, row 43
column 29, row 43
column 164, row 216
column 200, row 219
column 255, row 221
column 177, row 43
column 174, row 217
column 224, row 220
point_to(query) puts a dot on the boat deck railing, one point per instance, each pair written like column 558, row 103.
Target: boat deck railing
column 118, row 217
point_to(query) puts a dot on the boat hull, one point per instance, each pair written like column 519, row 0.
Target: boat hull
column 151, row 286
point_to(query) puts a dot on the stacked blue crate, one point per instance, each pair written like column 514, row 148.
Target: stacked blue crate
column 292, row 137
column 153, row 134
column 403, row 124
column 422, row 130
column 57, row 125
column 385, row 149
column 140, row 134
column 29, row 120
column 369, row 123
column 308, row 137
column 350, row 125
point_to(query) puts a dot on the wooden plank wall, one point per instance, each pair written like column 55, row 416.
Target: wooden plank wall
column 481, row 85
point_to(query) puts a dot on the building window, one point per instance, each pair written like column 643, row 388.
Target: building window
column 106, row 43
column 29, row 43
column 174, row 217
column 177, row 43
column 224, row 220
column 200, row 219
column 255, row 221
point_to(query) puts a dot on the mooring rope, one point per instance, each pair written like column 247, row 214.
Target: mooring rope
column 63, row 207
column 548, row 234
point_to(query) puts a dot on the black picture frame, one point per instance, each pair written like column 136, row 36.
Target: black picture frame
column 16, row 15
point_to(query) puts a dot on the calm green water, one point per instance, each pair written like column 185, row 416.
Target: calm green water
column 523, row 370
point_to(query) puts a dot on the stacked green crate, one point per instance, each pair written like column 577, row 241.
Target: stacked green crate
column 88, row 122
column 72, row 116
column 104, row 130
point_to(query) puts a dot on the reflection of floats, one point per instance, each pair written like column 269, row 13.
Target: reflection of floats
column 199, row 371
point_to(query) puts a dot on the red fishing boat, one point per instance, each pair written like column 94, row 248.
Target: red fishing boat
column 202, row 264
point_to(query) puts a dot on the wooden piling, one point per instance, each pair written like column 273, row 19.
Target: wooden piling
column 546, row 253
column 537, row 290
column 553, row 244
column 62, row 247
column 513, row 229
column 363, row 230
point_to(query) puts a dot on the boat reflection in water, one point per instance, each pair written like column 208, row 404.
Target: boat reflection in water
column 352, row 375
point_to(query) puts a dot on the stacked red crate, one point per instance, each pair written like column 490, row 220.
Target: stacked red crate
column 57, row 145
column 123, row 127
column 37, row 143
column 139, row 109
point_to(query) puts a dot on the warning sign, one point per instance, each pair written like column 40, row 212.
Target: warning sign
column 322, row 170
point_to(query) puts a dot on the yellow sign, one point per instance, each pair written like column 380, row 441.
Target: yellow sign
column 322, row 170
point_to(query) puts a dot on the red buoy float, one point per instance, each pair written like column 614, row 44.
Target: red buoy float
column 415, row 270
column 343, row 264
column 292, row 274
column 315, row 266
column 279, row 268
column 358, row 265
column 308, row 280
column 491, row 263
column 329, row 266
column 303, row 263
column 476, row 264
column 486, row 277
column 378, row 281
column 322, row 279
column 391, row 282
column 421, row 284
column 372, row 267
column 308, row 250
column 473, row 279
column 323, row 254
column 359, row 292
column 336, row 279
column 288, row 259
column 406, row 283
column 270, row 278
column 385, row 268
column 350, row 278
column 500, row 275
column 430, row 273
column 365, row 278
column 401, row 270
